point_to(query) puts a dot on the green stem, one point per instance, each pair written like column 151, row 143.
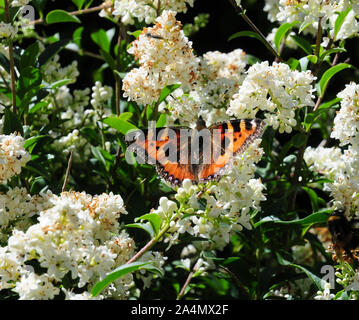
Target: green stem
column 240, row 11
column 149, row 244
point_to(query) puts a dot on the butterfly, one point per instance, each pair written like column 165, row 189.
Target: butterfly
column 200, row 155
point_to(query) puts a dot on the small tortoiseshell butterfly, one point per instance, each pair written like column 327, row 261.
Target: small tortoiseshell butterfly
column 165, row 148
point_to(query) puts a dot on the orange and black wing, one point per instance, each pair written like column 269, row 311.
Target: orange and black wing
column 163, row 147
column 228, row 139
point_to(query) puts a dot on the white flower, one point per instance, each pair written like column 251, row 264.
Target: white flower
column 7, row 30
column 35, row 287
column 346, row 122
column 77, row 234
column 13, row 156
column 146, row 10
column 308, row 12
column 164, row 59
column 19, row 3
column 325, row 294
column 100, row 94
column 52, row 70
column 275, row 89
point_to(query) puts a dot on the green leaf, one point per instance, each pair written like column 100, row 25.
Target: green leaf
column 312, row 58
column 282, row 32
column 143, row 226
column 30, row 78
column 154, row 219
column 59, row 16
column 250, row 34
column 60, row 83
column 79, row 3
column 11, row 123
column 316, row 217
column 119, row 124
column 331, row 51
column 125, row 116
column 98, row 154
column 323, row 83
column 161, row 122
column 316, row 280
column 118, row 273
column 304, row 25
column 52, row 50
column 293, row 63
column 4, row 62
column 77, row 36
column 339, row 21
column 166, row 91
column 101, row 39
column 303, row 44
column 31, row 142
column 109, row 59
column 28, row 58
column 136, row 33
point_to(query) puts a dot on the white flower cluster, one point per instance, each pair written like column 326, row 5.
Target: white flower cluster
column 219, row 78
column 71, row 141
column 223, row 208
column 19, row 3
column 7, row 30
column 100, row 94
column 325, row 293
column 145, row 10
column 309, row 12
column 277, row 90
column 13, row 156
column 17, row 206
column 341, row 166
column 77, row 235
column 52, row 71
column 165, row 56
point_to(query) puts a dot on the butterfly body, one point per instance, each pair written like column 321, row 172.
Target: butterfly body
column 200, row 155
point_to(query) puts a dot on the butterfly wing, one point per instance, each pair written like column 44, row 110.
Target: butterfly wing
column 228, row 139
column 163, row 147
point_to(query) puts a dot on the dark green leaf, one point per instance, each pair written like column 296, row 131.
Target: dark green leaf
column 101, row 39
column 118, row 273
column 52, row 50
column 250, row 34
column 120, row 125
column 59, row 16
column 339, row 21
column 154, row 219
column 11, row 123
column 166, row 91
column 303, row 44
column 323, row 83
column 29, row 56
column 282, row 32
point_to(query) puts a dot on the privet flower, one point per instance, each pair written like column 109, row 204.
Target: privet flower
column 78, row 234
column 19, row 3
column 145, row 10
column 219, row 78
column 277, row 90
column 7, row 30
column 100, row 95
column 308, row 12
column 17, row 206
column 165, row 58
column 341, row 166
column 13, row 156
column 346, row 122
